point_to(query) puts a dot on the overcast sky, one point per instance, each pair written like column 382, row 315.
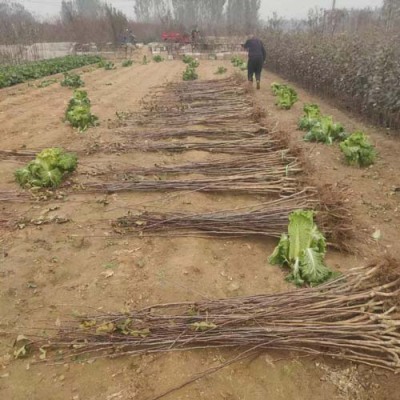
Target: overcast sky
column 285, row 8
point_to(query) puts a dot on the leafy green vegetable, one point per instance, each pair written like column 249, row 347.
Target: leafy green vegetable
column 326, row 131
column 275, row 87
column 72, row 80
column 221, row 71
column 127, row 63
column 312, row 109
column 48, row 169
column 190, row 74
column 158, row 58
column 311, row 116
column 194, row 64
column 107, row 65
column 238, row 62
column 46, row 82
column 13, row 74
column 321, row 128
column 358, row 150
column 286, row 99
column 303, row 251
column 78, row 113
column 187, row 59
column 287, row 96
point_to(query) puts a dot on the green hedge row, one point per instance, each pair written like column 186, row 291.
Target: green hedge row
column 360, row 73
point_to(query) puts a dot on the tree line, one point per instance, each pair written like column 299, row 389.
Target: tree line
column 97, row 21
column 212, row 16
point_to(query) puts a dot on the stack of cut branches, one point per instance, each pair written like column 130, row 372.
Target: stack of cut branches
column 228, row 132
column 200, row 89
column 15, row 154
column 267, row 174
column 261, row 183
column 13, row 196
column 240, row 146
column 207, row 110
column 351, row 318
column 206, row 103
column 278, row 162
column 266, row 219
column 183, row 119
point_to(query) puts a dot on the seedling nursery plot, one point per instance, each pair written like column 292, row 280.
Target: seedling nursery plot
column 169, row 232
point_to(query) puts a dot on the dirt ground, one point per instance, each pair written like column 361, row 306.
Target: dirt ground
column 49, row 271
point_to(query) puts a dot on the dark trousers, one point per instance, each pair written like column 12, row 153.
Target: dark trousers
column 254, row 66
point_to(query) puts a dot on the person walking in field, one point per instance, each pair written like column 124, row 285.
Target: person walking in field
column 257, row 57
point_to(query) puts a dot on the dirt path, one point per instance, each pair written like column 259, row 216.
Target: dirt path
column 375, row 202
column 46, row 272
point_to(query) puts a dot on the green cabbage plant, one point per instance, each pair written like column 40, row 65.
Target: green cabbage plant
column 48, row 169
column 311, row 116
column 286, row 95
column 358, row 151
column 78, row 113
column 303, row 251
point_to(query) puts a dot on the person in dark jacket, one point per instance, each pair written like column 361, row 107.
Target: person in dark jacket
column 257, row 56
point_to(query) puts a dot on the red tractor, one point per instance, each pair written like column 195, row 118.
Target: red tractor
column 176, row 37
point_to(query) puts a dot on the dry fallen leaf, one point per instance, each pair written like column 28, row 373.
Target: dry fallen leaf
column 377, row 235
column 108, row 274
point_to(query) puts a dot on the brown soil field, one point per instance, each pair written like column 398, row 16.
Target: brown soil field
column 49, row 271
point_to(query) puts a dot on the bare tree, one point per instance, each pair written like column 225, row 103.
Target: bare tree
column 89, row 8
column 243, row 15
column 92, row 21
column 212, row 13
column 252, row 9
column 17, row 25
column 275, row 23
column 185, row 14
column 234, row 15
column 68, row 12
column 391, row 13
column 143, row 10
column 116, row 20
column 316, row 20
